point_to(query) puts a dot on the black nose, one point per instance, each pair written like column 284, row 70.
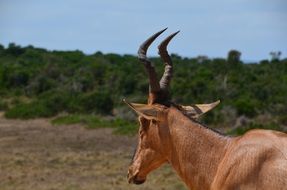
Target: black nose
column 138, row 182
column 134, row 179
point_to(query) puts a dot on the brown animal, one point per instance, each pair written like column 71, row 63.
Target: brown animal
column 203, row 158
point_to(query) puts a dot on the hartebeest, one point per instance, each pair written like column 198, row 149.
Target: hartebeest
column 203, row 158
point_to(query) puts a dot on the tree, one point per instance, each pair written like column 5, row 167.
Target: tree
column 14, row 49
column 275, row 55
column 233, row 56
column 1, row 49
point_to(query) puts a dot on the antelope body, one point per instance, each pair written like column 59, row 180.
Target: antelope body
column 203, row 158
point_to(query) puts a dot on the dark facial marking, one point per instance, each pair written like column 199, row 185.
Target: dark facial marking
column 134, row 154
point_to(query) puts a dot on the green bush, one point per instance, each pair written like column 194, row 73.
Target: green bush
column 56, row 101
column 97, row 102
column 91, row 121
column 3, row 105
column 283, row 119
column 246, row 106
column 244, row 129
column 52, row 103
column 28, row 111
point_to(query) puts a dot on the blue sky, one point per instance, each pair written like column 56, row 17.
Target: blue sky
column 208, row 27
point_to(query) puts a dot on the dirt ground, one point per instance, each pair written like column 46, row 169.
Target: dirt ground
column 35, row 155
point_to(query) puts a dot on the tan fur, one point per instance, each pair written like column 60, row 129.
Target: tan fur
column 205, row 159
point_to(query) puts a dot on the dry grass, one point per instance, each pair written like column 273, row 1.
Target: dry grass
column 37, row 155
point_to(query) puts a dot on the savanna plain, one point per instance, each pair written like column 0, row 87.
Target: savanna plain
column 34, row 154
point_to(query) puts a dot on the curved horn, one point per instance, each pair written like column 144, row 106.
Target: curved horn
column 162, row 51
column 153, row 82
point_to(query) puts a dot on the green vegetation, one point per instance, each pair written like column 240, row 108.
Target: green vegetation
column 28, row 111
column 35, row 82
column 90, row 121
column 3, row 105
column 244, row 129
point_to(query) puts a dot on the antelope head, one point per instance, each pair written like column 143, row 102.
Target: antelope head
column 152, row 149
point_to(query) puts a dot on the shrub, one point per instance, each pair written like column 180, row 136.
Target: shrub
column 283, row 119
column 3, row 105
column 244, row 129
column 98, row 102
column 91, row 121
column 28, row 111
column 56, row 101
column 246, row 106
column 40, row 84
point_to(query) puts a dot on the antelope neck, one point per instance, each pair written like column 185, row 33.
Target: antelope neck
column 195, row 151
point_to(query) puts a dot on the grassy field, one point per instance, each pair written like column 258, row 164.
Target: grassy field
column 119, row 126
column 34, row 154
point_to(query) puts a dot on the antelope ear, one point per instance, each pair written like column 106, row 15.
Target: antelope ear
column 196, row 110
column 147, row 111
